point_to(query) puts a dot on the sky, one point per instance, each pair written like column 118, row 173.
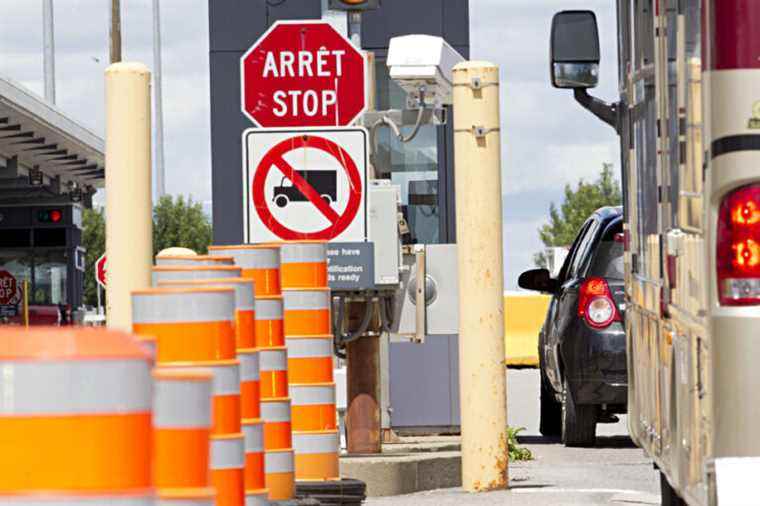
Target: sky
column 548, row 140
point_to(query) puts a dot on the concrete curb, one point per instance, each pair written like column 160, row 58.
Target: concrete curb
column 404, row 474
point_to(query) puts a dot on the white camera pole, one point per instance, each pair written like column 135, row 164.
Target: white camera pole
column 48, row 49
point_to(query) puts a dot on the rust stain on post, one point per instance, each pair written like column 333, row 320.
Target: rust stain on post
column 363, row 415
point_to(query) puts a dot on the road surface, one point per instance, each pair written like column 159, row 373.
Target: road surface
column 613, row 473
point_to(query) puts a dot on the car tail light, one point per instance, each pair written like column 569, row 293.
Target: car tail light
column 595, row 303
column 738, row 248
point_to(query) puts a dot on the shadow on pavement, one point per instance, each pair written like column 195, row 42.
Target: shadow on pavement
column 601, row 441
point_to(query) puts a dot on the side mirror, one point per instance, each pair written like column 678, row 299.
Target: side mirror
column 539, row 280
column 575, row 50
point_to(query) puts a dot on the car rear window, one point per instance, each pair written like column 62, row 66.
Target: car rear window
column 608, row 259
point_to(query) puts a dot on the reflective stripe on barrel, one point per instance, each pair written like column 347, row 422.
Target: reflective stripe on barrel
column 244, row 304
column 254, row 454
column 316, row 455
column 227, row 469
column 259, row 262
column 270, row 329
column 280, row 474
column 186, row 497
column 145, row 499
column 187, row 272
column 75, row 416
column 273, row 363
column 257, row 497
column 303, row 264
column 250, row 388
column 277, row 423
column 197, row 260
column 181, row 427
column 307, row 312
column 310, row 359
column 313, row 406
column 190, row 324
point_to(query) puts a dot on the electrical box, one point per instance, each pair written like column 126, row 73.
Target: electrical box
column 382, row 228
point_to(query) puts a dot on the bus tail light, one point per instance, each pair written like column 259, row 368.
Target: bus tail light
column 738, row 248
column 595, row 303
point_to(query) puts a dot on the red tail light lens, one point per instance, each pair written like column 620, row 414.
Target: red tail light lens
column 595, row 303
column 738, row 248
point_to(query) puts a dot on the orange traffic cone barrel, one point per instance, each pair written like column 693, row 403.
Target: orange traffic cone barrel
column 244, row 304
column 75, row 420
column 186, row 497
column 313, row 407
column 250, row 388
column 273, row 364
column 303, row 264
column 260, row 262
column 190, row 324
column 254, row 454
column 270, row 329
column 194, row 260
column 316, row 455
column 307, row 311
column 310, row 359
column 277, row 424
column 181, row 427
column 280, row 474
column 187, row 272
column 257, row 497
column 227, row 469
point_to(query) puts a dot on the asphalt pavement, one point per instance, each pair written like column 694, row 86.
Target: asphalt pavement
column 615, row 472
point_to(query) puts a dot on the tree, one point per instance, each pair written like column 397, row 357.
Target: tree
column 176, row 222
column 579, row 203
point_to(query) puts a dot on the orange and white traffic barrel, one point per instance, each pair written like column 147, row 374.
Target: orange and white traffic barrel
column 270, row 329
column 310, row 359
column 195, row 260
column 307, row 311
column 303, row 264
column 316, row 455
column 188, row 272
column 254, row 454
column 280, row 474
column 273, row 371
column 227, row 469
column 189, row 324
column 257, row 497
column 181, row 427
column 186, row 497
column 277, row 423
column 244, row 304
column 75, row 418
column 260, row 262
column 250, row 387
column 313, row 407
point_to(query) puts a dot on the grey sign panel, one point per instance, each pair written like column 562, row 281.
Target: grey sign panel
column 351, row 265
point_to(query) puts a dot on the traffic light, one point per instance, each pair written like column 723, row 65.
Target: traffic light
column 51, row 216
column 354, row 5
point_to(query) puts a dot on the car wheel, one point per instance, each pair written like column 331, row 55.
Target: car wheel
column 578, row 421
column 327, row 199
column 550, row 424
column 281, row 200
column 668, row 494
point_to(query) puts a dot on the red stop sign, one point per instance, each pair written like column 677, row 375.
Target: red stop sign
column 303, row 74
column 100, row 270
column 8, row 289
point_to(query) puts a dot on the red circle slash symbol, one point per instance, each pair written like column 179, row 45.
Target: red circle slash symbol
column 275, row 158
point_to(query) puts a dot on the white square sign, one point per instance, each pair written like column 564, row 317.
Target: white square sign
column 305, row 184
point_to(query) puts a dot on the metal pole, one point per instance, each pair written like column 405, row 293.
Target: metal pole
column 129, row 224
column 355, row 28
column 26, row 303
column 482, row 373
column 158, row 102
column 115, row 31
column 48, row 49
column 363, row 424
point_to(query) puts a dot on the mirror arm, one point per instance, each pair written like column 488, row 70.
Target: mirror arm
column 599, row 108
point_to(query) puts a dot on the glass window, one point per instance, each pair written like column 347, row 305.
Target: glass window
column 608, row 259
column 50, row 278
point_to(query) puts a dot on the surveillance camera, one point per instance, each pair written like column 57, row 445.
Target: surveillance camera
column 422, row 65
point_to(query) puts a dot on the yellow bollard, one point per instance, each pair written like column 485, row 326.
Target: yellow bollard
column 482, row 374
column 129, row 220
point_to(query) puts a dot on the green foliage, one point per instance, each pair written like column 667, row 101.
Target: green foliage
column 579, row 203
column 517, row 452
column 176, row 222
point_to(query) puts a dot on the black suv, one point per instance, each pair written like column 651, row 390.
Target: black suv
column 581, row 347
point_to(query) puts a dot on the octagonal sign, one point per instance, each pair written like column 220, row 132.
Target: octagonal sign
column 303, row 74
